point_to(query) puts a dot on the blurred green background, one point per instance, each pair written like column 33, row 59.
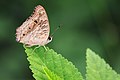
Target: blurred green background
column 93, row 24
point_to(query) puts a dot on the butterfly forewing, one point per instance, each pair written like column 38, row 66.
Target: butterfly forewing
column 35, row 30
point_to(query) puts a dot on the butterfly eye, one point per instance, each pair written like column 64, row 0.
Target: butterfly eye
column 49, row 38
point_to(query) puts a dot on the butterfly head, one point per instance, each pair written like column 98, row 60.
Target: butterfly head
column 49, row 39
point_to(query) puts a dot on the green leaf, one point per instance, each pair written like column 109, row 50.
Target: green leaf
column 98, row 69
column 48, row 65
column 51, row 75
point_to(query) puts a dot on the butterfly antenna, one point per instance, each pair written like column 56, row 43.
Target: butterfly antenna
column 55, row 30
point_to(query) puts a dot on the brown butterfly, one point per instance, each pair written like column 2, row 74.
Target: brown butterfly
column 35, row 30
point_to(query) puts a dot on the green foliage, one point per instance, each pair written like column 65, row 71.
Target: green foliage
column 97, row 69
column 51, row 75
column 48, row 65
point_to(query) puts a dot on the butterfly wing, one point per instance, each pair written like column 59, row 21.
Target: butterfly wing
column 35, row 30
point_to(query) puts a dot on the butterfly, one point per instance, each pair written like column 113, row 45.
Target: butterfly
column 35, row 30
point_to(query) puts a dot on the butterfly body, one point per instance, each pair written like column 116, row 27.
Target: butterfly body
column 35, row 30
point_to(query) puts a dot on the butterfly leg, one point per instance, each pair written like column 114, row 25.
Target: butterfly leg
column 45, row 48
column 35, row 49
